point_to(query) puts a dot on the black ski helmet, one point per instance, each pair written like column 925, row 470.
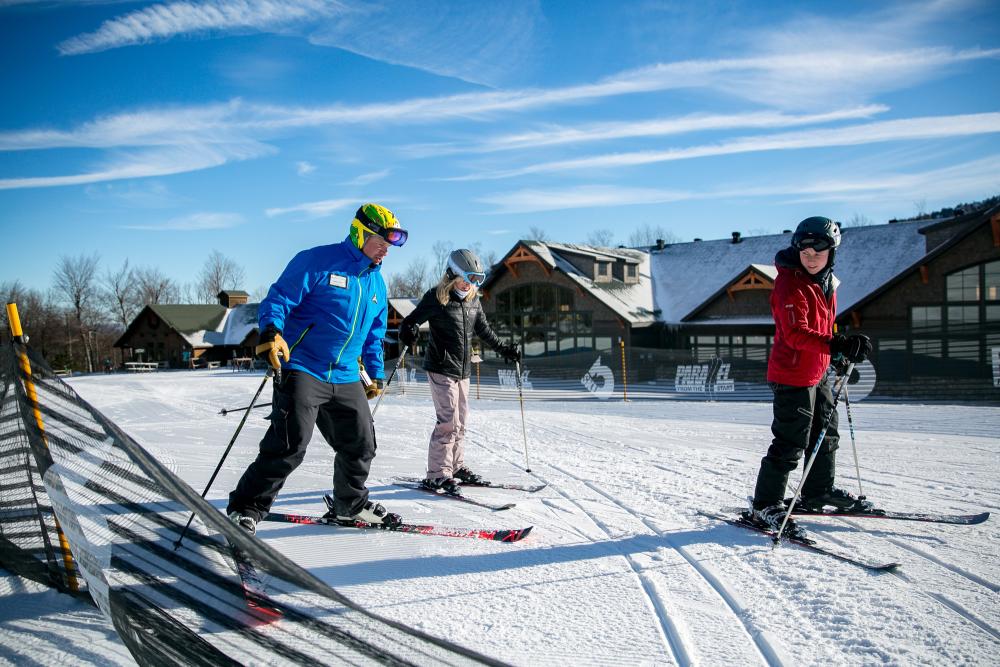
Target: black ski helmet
column 818, row 233
column 465, row 264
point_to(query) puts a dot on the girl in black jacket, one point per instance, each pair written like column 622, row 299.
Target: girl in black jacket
column 454, row 313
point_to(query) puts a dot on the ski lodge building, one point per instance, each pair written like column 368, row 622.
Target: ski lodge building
column 926, row 291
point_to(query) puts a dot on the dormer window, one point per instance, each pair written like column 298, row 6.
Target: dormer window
column 603, row 271
column 631, row 273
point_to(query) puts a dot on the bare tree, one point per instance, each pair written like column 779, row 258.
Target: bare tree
column 76, row 283
column 489, row 257
column 647, row 235
column 155, row 287
column 921, row 206
column 859, row 220
column 441, row 250
column 604, row 238
column 411, row 282
column 259, row 292
column 120, row 295
column 538, row 234
column 219, row 273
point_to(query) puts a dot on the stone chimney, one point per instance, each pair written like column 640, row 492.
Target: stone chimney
column 737, row 237
column 660, row 244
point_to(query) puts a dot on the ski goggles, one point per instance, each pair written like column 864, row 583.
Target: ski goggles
column 393, row 235
column 476, row 278
column 817, row 243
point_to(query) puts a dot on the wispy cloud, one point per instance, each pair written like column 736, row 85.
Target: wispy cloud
column 368, row 179
column 163, row 21
column 934, row 127
column 315, row 209
column 303, row 168
column 557, row 134
column 142, row 164
column 971, row 177
column 193, row 222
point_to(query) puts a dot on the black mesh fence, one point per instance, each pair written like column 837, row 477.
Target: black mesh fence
column 905, row 365
column 86, row 509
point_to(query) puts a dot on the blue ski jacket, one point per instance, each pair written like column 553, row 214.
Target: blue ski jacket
column 330, row 306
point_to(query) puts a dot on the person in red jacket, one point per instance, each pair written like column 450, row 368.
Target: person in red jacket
column 804, row 305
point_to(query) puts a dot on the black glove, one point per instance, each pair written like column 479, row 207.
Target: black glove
column 840, row 365
column 855, row 347
column 408, row 334
column 510, row 352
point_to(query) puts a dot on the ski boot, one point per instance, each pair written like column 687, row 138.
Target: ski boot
column 840, row 500
column 448, row 485
column 466, row 476
column 371, row 512
column 244, row 521
column 770, row 519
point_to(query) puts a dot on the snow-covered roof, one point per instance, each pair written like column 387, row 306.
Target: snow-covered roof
column 632, row 302
column 406, row 305
column 685, row 275
column 235, row 325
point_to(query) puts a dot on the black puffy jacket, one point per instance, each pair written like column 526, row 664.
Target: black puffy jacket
column 449, row 351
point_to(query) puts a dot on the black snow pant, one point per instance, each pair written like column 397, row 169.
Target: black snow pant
column 799, row 415
column 301, row 402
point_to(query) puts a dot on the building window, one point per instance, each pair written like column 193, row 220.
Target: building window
column 963, row 285
column 632, row 273
column 603, row 271
column 541, row 316
column 992, row 279
column 923, row 317
column 958, row 315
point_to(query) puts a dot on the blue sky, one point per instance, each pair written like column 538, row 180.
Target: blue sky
column 162, row 131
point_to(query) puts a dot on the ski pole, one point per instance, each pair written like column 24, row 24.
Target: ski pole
column 226, row 411
column 402, row 355
column 524, row 430
column 854, row 446
column 232, row 441
column 812, row 458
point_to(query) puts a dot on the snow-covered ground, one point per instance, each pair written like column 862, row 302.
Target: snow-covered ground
column 620, row 568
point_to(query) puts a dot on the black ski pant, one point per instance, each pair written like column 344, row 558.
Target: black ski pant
column 301, row 402
column 800, row 413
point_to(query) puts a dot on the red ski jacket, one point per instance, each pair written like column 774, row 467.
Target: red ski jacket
column 803, row 326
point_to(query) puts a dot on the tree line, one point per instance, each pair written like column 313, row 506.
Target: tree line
column 75, row 323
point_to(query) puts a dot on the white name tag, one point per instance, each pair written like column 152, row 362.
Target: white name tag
column 338, row 281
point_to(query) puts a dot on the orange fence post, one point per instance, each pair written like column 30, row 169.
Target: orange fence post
column 29, row 387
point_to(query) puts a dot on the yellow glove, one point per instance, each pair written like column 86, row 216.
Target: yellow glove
column 372, row 387
column 274, row 348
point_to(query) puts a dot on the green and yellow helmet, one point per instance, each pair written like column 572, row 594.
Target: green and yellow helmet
column 376, row 219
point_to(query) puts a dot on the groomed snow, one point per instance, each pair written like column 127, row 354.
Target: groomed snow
column 619, row 569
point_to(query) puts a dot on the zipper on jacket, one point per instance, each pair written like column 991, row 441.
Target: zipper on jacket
column 301, row 336
column 354, row 321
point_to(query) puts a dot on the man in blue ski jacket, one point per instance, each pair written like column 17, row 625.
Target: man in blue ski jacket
column 327, row 310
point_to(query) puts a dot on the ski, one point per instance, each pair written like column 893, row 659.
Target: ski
column 253, row 585
column 496, row 535
column 530, row 488
column 805, row 543
column 459, row 497
column 957, row 519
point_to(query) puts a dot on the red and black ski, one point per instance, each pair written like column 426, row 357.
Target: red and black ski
column 805, row 542
column 253, row 586
column 497, row 535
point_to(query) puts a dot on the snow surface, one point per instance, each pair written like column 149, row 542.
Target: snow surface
column 620, row 569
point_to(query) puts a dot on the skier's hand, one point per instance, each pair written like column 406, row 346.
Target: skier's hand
column 408, row 334
column 855, row 347
column 510, row 353
column 273, row 346
column 374, row 389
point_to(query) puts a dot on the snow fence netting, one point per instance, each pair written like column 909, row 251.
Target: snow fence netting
column 84, row 507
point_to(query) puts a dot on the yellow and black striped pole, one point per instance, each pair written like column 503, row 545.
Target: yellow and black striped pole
column 14, row 319
column 624, row 373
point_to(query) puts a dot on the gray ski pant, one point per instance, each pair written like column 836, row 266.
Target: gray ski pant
column 446, row 453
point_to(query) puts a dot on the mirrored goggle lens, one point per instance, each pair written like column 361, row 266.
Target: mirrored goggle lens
column 817, row 244
column 394, row 235
column 476, row 279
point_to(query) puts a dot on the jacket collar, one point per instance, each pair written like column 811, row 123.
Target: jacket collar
column 361, row 260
